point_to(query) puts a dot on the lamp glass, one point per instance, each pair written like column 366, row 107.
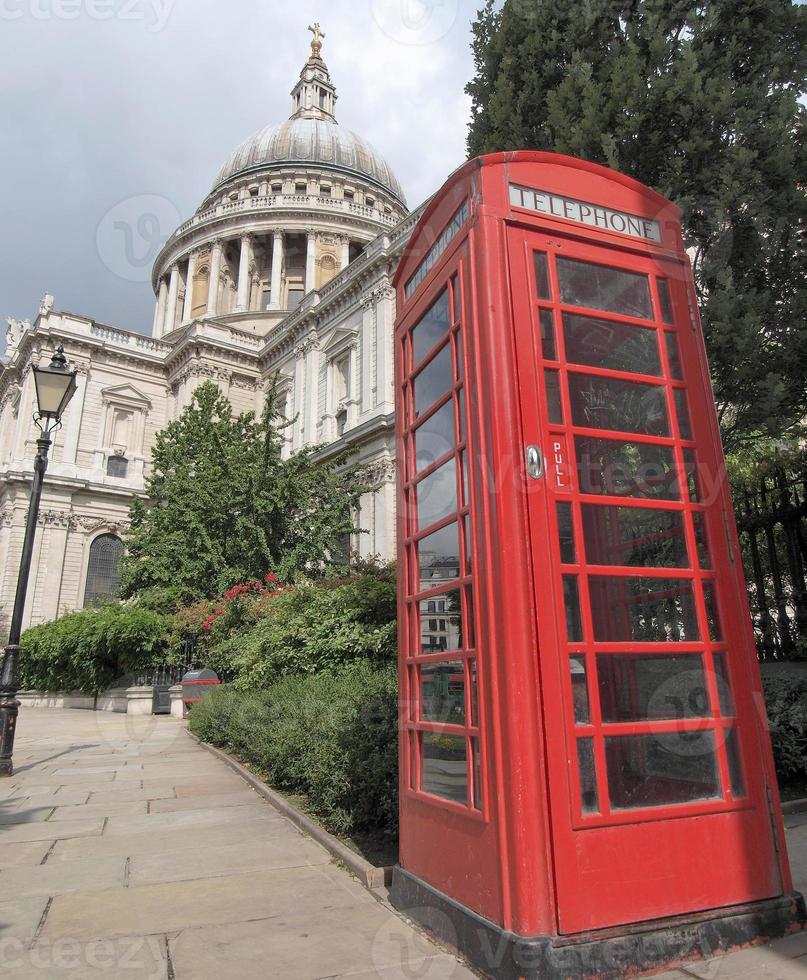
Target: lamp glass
column 54, row 389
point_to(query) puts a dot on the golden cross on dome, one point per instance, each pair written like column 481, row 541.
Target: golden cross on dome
column 316, row 43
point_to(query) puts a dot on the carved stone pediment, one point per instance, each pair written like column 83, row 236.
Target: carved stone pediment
column 125, row 395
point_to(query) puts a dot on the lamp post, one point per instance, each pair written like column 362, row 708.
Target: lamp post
column 55, row 385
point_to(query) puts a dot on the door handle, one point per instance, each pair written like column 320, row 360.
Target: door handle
column 535, row 462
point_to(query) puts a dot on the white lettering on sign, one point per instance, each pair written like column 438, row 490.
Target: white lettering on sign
column 587, row 214
column 559, row 466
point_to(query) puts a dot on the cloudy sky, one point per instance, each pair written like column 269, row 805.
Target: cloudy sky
column 117, row 114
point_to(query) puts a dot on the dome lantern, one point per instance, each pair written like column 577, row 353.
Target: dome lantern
column 314, row 96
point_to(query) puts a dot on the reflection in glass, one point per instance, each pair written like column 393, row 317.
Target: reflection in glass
column 477, row 764
column 701, row 540
column 582, row 715
column 661, row 769
column 469, row 545
column 439, row 556
column 470, row 625
column 458, row 354
column 682, row 411
column 673, row 356
column 442, row 692
column 430, row 328
column 466, row 486
column 461, row 410
column 571, row 600
column 435, row 437
column 664, row 299
column 634, row 536
column 723, row 685
column 474, row 693
column 692, row 476
column 443, row 766
column 566, row 533
column 606, row 344
column 626, row 469
column 633, row 609
column 712, row 612
column 433, row 381
column 554, row 409
column 601, row 287
column 437, row 495
column 652, row 687
column 440, row 622
column 735, row 764
column 588, row 776
column 608, row 403
column 542, row 276
column 548, row 348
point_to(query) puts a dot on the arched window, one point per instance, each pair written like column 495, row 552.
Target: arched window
column 102, row 569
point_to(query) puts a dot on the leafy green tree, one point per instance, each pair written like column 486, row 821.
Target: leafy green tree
column 703, row 101
column 224, row 506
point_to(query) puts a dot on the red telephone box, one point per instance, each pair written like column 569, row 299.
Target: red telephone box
column 587, row 787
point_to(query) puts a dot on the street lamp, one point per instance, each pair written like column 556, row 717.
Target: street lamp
column 55, row 385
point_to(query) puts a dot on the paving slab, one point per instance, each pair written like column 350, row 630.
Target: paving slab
column 157, row 822
column 51, row 830
column 110, row 808
column 23, row 855
column 244, row 797
column 61, row 877
column 19, row 919
column 130, row 958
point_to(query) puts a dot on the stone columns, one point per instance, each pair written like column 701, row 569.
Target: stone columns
column 311, row 262
column 242, row 297
column 162, row 301
column 213, row 284
column 73, row 427
column 188, row 307
column 345, row 253
column 171, row 308
column 277, row 269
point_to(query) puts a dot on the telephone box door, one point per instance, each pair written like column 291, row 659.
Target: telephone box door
column 642, row 638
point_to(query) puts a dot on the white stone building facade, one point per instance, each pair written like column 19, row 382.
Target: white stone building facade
column 285, row 269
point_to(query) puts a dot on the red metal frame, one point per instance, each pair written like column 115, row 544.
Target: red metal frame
column 531, row 858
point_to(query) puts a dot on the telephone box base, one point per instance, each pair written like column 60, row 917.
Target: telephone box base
column 608, row 954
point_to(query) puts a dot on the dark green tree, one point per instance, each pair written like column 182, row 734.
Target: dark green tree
column 703, row 101
column 223, row 506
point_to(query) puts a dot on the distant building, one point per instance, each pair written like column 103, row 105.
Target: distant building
column 286, row 267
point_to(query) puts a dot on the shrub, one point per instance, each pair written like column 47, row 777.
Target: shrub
column 786, row 701
column 89, row 650
column 330, row 737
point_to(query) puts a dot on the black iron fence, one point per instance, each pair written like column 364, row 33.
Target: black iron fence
column 772, row 533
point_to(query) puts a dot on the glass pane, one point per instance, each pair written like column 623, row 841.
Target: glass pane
column 435, row 437
column 103, row 573
column 438, row 556
column 664, row 299
column 626, row 469
column 430, row 328
column 470, row 625
column 442, row 692
column 444, row 766
column 582, row 716
column 682, row 411
column 542, row 276
column 673, row 356
column 607, row 403
column 723, row 685
column 701, row 540
column 433, row 381
column 455, row 288
column 735, row 764
column 692, row 476
column 605, row 344
column 474, row 693
column 413, row 743
column 571, row 599
column 477, row 764
column 652, row 687
column 466, row 486
column 634, row 610
column 601, row 287
column 437, row 495
column 634, row 536
column 458, row 354
column 554, row 409
column 588, row 775
column 566, row 533
column 548, row 348
column 440, row 623
column 469, row 545
column 461, row 410
column 654, row 770
column 712, row 613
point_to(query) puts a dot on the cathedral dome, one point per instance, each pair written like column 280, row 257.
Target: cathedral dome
column 309, row 140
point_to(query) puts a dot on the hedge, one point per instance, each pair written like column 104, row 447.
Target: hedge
column 786, row 701
column 91, row 650
column 330, row 738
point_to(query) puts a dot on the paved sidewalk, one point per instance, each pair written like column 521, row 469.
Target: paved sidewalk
column 129, row 852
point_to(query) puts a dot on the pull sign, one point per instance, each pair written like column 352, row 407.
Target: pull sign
column 557, row 465
column 535, row 463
